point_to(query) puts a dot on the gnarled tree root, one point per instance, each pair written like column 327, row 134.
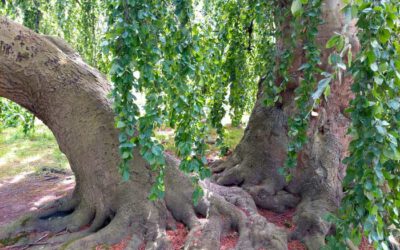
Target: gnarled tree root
column 220, row 211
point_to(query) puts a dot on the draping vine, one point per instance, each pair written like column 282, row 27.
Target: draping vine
column 39, row 15
column 171, row 66
column 372, row 201
column 307, row 18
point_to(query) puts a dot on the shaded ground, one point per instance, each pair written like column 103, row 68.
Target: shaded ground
column 28, row 192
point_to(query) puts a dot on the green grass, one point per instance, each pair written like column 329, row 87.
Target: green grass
column 21, row 153
column 232, row 138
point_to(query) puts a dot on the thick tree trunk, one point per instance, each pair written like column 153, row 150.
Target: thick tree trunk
column 316, row 187
column 44, row 75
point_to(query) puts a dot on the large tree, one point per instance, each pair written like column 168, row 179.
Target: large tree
column 49, row 79
column 44, row 75
column 315, row 188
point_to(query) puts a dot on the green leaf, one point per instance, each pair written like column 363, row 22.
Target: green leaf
column 296, row 8
column 333, row 41
column 197, row 194
column 374, row 67
column 384, row 35
column 327, row 92
column 341, row 66
column 394, row 104
column 126, row 155
column 378, row 80
column 384, row 245
column 125, row 175
column 348, row 13
column 120, row 124
column 381, row 130
column 392, row 154
column 349, row 57
column 322, row 85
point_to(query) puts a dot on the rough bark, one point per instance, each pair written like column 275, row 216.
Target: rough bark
column 316, row 187
column 44, row 75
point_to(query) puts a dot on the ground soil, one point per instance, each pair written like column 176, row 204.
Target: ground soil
column 25, row 193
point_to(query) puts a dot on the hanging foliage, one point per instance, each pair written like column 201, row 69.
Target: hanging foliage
column 372, row 183
column 307, row 16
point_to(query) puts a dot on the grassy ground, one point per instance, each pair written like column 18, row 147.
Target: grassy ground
column 29, row 154
column 20, row 154
column 232, row 138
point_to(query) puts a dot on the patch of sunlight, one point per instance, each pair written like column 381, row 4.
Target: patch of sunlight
column 43, row 200
column 3, row 161
column 19, row 177
column 68, row 181
column 233, row 135
column 21, row 153
column 30, row 159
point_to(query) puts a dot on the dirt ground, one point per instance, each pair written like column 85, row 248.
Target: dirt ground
column 27, row 192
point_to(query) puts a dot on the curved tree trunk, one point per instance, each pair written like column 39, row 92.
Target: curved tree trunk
column 316, row 186
column 44, row 75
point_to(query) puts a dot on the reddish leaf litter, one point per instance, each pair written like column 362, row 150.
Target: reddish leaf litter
column 178, row 236
column 28, row 192
column 229, row 241
column 284, row 220
column 281, row 220
column 120, row 246
column 365, row 245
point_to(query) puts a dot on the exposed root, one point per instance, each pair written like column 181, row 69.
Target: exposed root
column 62, row 205
column 266, row 194
column 311, row 226
column 254, row 230
column 207, row 235
column 73, row 222
column 225, row 209
column 222, row 210
column 61, row 215
column 113, row 233
column 277, row 201
column 34, row 221
column 228, row 176
column 63, row 238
